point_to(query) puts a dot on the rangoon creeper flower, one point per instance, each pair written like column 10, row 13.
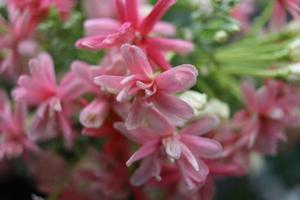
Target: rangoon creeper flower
column 14, row 139
column 184, row 148
column 269, row 111
column 108, row 33
column 149, row 88
column 54, row 101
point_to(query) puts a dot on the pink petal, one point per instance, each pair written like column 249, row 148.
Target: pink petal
column 172, row 105
column 112, row 83
column 102, row 26
column 173, row 45
column 158, row 122
column 164, row 28
column 190, row 157
column 201, row 126
column 249, row 95
column 157, row 12
column 136, row 114
column 121, row 10
column 132, row 12
column 123, row 35
column 177, row 79
column 144, row 151
column 136, row 60
column 203, row 147
column 150, row 167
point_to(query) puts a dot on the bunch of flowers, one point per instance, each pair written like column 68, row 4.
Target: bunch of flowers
column 130, row 125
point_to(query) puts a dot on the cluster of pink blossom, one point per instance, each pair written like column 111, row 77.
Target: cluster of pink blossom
column 129, row 100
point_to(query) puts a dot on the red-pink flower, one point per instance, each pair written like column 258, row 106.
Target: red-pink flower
column 282, row 7
column 108, row 33
column 54, row 101
column 184, row 148
column 149, row 88
column 242, row 12
column 16, row 44
column 268, row 112
column 14, row 138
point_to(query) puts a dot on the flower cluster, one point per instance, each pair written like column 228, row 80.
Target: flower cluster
column 133, row 123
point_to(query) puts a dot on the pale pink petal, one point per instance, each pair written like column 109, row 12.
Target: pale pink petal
column 201, row 126
column 136, row 60
column 112, row 83
column 177, row 79
column 158, row 122
column 136, row 114
column 172, row 105
column 164, row 28
column 144, row 151
column 190, row 157
column 150, row 167
column 203, row 147
column 158, row 58
column 101, row 26
column 157, row 12
column 173, row 45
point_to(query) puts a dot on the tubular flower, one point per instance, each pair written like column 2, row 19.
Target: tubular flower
column 148, row 88
column 184, row 148
column 269, row 111
column 108, row 33
column 14, row 139
column 53, row 101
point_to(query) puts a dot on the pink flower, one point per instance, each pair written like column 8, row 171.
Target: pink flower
column 147, row 87
column 280, row 9
column 269, row 111
column 16, row 44
column 183, row 148
column 108, row 33
column 54, row 101
column 14, row 138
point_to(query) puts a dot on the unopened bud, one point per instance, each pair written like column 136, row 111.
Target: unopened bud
column 196, row 100
column 217, row 108
column 221, row 36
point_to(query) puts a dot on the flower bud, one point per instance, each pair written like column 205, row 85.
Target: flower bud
column 217, row 108
column 221, row 36
column 196, row 100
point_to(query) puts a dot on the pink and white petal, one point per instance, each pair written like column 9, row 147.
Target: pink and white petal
column 203, row 147
column 158, row 122
column 150, row 167
column 112, row 83
column 136, row 60
column 190, row 157
column 136, row 114
column 177, row 79
column 172, row 105
column 201, row 126
column 160, row 8
column 20, row 114
column 172, row 45
column 144, row 151
column 101, row 26
column 140, row 135
column 91, row 42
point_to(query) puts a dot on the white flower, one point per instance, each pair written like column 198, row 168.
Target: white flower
column 196, row 100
